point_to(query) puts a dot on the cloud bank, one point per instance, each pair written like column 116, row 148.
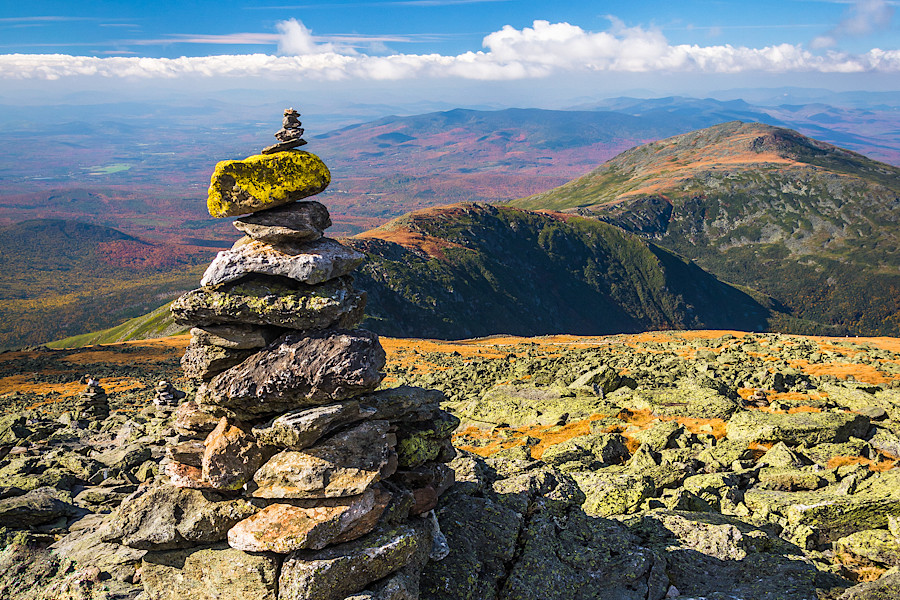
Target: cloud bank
column 541, row 50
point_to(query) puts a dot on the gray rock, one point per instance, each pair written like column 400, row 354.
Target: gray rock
column 299, row 370
column 202, row 361
column 345, row 464
column 882, row 589
column 807, row 428
column 300, row 429
column 337, row 572
column 299, row 222
column 164, row 517
column 273, row 302
column 308, row 262
column 235, row 337
column 37, row 507
column 404, row 403
column 209, row 573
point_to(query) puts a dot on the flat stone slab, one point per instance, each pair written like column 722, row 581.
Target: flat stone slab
column 299, row 222
column 234, row 337
column 208, row 573
column 299, row 370
column 335, row 573
column 284, row 528
column 300, row 429
column 163, row 517
column 258, row 182
column 806, row 428
column 299, row 306
column 202, row 361
column 345, row 464
column 307, row 262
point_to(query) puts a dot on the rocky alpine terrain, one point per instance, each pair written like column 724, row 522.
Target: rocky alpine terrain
column 704, row 464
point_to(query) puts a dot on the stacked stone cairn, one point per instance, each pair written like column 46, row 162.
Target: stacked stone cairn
column 167, row 395
column 93, row 403
column 294, row 477
column 290, row 135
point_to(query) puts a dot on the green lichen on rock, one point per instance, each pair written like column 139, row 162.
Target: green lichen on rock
column 265, row 181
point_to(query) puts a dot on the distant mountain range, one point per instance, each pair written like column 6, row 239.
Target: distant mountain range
column 811, row 225
column 143, row 168
column 815, row 226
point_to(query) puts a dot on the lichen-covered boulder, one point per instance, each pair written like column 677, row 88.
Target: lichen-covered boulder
column 345, row 464
column 273, row 302
column 163, row 517
column 300, row 429
column 210, row 572
column 336, row 572
column 806, row 428
column 258, row 182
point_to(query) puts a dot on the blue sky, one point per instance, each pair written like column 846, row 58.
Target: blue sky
column 426, row 45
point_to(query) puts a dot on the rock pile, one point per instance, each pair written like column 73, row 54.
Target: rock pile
column 292, row 477
column 290, row 135
column 167, row 394
column 92, row 403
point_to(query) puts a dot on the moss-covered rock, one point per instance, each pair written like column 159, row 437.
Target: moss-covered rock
column 877, row 546
column 806, row 428
column 265, row 181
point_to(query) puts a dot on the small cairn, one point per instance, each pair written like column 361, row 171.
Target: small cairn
column 293, row 476
column 758, row 398
column 290, row 135
column 167, row 395
column 92, row 403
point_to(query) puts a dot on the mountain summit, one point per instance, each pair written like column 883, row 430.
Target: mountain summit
column 811, row 224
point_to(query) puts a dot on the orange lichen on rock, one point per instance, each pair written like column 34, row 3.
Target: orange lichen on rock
column 21, row 383
column 860, row 372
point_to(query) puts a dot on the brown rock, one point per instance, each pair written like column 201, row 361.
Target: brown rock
column 231, row 457
column 188, row 453
column 285, row 527
column 300, row 429
column 185, row 476
column 191, row 421
column 298, row 370
column 300, row 221
column 345, row 464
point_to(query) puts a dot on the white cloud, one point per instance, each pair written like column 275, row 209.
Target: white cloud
column 541, row 50
column 861, row 19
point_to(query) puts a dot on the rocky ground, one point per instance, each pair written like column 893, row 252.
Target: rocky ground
column 716, row 465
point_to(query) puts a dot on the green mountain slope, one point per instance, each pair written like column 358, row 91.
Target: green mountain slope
column 64, row 277
column 471, row 270
column 812, row 225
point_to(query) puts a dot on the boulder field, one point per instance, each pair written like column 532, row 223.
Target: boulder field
column 610, row 467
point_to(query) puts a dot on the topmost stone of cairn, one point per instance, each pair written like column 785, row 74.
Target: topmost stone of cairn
column 280, row 175
column 290, row 135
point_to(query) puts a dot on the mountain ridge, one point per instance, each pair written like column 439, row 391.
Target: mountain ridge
column 809, row 223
